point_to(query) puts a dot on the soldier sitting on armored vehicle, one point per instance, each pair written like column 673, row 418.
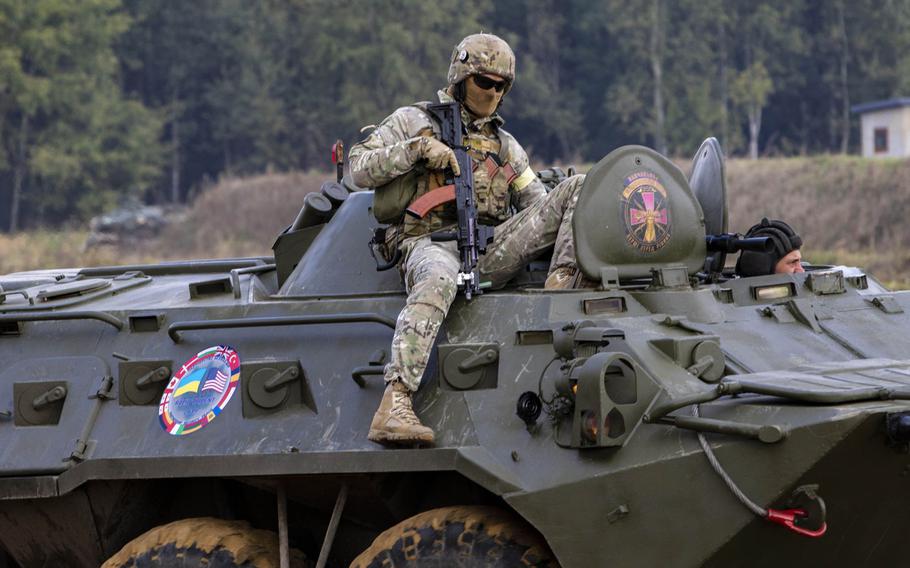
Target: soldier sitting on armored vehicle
column 404, row 160
column 783, row 258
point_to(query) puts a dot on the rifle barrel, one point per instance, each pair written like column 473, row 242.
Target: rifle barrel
column 731, row 243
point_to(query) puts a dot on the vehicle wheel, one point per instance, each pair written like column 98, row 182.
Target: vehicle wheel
column 467, row 537
column 204, row 542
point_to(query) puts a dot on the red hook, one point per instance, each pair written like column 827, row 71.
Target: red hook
column 788, row 518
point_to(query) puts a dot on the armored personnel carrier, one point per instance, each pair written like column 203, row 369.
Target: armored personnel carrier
column 131, row 224
column 215, row 413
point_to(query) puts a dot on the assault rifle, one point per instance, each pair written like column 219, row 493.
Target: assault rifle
column 472, row 237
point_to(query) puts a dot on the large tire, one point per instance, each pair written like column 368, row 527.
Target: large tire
column 204, row 542
column 467, row 537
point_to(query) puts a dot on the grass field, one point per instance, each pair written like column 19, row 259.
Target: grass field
column 849, row 211
column 237, row 217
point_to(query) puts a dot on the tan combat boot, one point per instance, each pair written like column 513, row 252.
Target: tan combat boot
column 395, row 421
column 563, row 278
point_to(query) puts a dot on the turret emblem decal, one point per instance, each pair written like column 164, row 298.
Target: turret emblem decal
column 199, row 390
column 646, row 212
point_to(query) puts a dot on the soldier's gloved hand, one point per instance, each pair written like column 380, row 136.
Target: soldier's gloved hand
column 437, row 155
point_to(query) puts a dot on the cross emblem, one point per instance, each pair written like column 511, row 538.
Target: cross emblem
column 646, row 215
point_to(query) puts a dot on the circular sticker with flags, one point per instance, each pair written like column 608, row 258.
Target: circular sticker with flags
column 199, row 390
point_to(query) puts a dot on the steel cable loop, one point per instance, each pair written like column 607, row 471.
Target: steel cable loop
column 558, row 405
column 712, row 459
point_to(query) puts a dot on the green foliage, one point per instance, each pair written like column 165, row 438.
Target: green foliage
column 89, row 165
column 70, row 137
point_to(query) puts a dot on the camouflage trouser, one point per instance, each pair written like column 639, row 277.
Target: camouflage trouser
column 430, row 269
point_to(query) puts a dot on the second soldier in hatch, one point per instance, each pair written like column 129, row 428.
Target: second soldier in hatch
column 784, row 256
column 403, row 159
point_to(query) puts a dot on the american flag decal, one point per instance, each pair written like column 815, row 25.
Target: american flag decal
column 216, row 383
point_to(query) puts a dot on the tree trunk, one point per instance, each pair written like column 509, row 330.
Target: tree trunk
column 19, row 171
column 803, row 128
column 175, row 150
column 845, row 95
column 724, row 94
column 754, row 129
column 545, row 31
column 660, row 138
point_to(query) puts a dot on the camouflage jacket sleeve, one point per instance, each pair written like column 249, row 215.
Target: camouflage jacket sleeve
column 391, row 149
column 526, row 188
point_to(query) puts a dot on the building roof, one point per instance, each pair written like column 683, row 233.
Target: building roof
column 881, row 105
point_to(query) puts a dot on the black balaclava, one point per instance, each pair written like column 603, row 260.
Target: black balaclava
column 785, row 240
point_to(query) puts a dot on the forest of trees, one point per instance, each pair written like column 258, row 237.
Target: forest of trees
column 104, row 99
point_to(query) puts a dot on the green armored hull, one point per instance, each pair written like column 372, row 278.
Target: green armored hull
column 568, row 422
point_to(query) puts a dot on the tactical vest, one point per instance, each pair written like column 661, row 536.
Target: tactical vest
column 492, row 177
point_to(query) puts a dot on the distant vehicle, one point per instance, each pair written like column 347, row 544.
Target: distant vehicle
column 215, row 412
column 131, row 224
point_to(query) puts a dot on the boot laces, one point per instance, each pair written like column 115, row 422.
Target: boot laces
column 403, row 410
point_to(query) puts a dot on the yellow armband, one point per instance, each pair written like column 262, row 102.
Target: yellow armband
column 524, row 179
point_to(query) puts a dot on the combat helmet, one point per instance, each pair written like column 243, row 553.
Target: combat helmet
column 482, row 53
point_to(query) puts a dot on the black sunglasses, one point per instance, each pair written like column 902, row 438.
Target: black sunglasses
column 486, row 83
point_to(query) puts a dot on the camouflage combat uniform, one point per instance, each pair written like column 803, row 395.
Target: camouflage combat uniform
column 430, row 268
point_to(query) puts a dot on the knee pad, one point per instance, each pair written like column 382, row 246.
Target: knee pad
column 437, row 290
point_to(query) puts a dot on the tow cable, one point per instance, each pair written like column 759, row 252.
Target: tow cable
column 806, row 515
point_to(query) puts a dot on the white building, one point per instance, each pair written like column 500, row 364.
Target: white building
column 885, row 127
